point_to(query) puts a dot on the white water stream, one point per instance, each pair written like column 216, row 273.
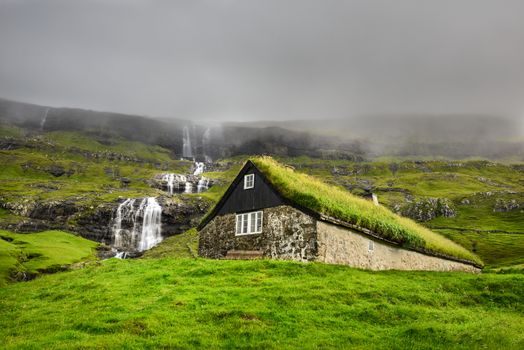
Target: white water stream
column 137, row 227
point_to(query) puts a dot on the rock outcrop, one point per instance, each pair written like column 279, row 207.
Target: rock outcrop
column 502, row 205
column 425, row 209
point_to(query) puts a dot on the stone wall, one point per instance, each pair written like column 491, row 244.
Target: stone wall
column 286, row 234
column 337, row 245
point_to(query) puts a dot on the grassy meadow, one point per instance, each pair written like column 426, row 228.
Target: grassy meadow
column 197, row 303
column 28, row 255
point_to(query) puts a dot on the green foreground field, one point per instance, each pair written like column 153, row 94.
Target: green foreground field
column 196, row 303
column 28, row 255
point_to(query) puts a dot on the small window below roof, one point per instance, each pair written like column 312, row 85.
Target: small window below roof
column 371, row 246
column 249, row 181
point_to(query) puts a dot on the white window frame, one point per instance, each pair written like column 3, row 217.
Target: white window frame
column 371, row 246
column 247, row 223
column 249, row 181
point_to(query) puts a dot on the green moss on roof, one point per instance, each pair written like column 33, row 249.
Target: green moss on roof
column 336, row 202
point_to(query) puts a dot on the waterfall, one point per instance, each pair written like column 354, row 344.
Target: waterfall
column 151, row 233
column 180, row 179
column 137, row 228
column 188, row 188
column 44, row 118
column 174, row 182
column 199, row 168
column 205, row 145
column 203, row 184
column 170, row 180
column 187, row 151
column 124, row 210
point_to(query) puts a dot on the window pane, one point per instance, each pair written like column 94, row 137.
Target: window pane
column 259, row 221
column 239, row 224
column 244, row 223
column 249, row 181
column 252, row 222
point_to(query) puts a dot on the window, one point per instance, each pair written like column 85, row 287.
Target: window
column 249, row 181
column 371, row 246
column 249, row 223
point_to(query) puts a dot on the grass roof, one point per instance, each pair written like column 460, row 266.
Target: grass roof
column 312, row 193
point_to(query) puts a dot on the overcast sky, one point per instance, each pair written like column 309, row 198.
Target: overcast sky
column 246, row 60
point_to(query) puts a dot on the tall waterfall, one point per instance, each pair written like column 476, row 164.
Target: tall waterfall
column 205, row 145
column 187, row 151
column 44, row 119
column 138, row 228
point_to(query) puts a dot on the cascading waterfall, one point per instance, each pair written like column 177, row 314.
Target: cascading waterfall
column 203, row 184
column 151, row 233
column 187, row 151
column 123, row 211
column 137, row 229
column 188, row 188
column 170, row 180
column 44, row 119
column 174, row 181
column 199, row 168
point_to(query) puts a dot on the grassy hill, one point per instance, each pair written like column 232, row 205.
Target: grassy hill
column 188, row 303
column 25, row 256
column 78, row 167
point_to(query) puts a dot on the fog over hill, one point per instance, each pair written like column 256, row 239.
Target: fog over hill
column 356, row 138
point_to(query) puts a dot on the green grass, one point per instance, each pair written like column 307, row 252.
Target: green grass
column 184, row 245
column 337, row 202
column 196, row 303
column 35, row 253
column 93, row 175
column 90, row 143
column 495, row 249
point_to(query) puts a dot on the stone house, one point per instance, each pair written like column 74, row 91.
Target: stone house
column 254, row 219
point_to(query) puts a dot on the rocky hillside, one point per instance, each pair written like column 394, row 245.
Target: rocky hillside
column 75, row 182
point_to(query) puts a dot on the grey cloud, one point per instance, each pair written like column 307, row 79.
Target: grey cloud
column 242, row 60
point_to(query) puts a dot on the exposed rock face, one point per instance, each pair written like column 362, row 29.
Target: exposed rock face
column 426, row 209
column 286, row 234
column 502, row 205
column 95, row 223
column 56, row 170
column 181, row 214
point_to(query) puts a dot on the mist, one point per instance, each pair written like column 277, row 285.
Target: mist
column 266, row 60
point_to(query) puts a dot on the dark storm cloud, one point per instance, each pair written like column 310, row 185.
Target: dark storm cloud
column 266, row 59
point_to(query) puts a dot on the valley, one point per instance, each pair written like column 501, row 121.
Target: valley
column 71, row 200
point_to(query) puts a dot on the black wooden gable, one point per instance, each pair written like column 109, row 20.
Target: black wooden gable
column 238, row 200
